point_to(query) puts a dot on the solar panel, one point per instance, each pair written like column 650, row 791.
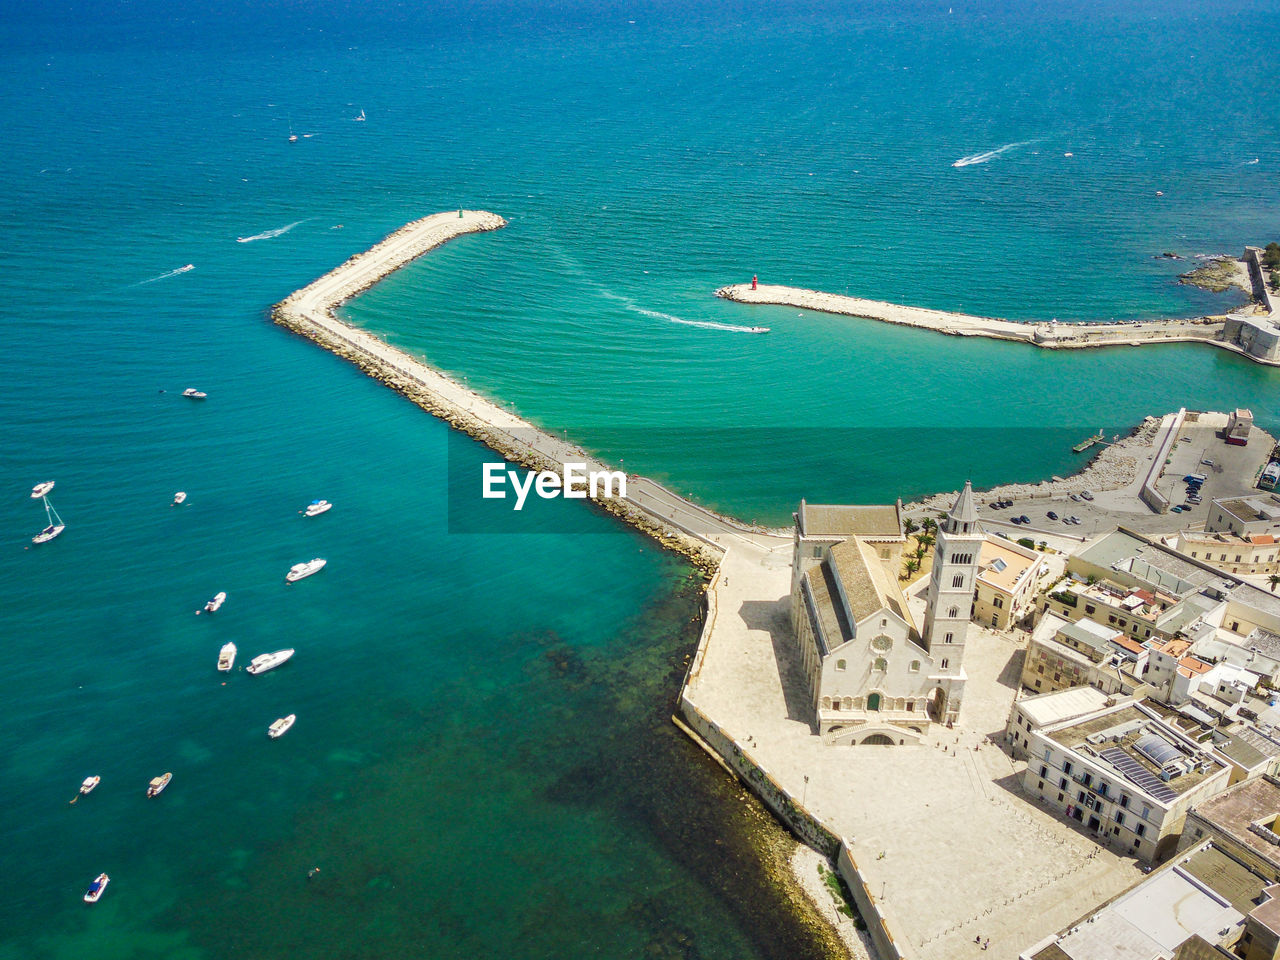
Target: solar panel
column 1138, row 774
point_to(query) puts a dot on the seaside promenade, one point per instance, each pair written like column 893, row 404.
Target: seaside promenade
column 1055, row 336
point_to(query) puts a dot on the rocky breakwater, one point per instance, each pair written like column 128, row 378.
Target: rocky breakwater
column 309, row 313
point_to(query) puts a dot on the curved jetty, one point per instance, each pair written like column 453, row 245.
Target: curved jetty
column 669, row 518
column 1221, row 331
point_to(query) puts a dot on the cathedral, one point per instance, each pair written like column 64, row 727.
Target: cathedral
column 874, row 676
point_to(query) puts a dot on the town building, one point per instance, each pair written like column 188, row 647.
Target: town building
column 1062, row 654
column 1009, row 575
column 1029, row 714
column 1244, row 821
column 1124, row 774
column 1244, row 515
column 1239, row 423
column 1203, row 905
column 1254, row 554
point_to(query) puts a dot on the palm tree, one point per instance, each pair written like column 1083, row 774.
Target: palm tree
column 926, row 540
column 920, row 552
column 912, row 565
column 929, row 524
column 910, row 526
column 1274, row 580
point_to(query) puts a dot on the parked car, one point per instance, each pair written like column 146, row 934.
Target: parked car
column 1207, row 462
column 1075, row 497
column 1015, row 519
column 1177, row 509
column 1086, row 494
column 1051, row 515
column 1073, row 520
column 1024, row 518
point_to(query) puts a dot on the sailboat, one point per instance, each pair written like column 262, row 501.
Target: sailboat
column 55, row 527
column 362, row 118
column 293, row 137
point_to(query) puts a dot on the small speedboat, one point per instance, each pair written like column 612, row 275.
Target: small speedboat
column 157, row 785
column 89, row 784
column 48, row 533
column 214, row 605
column 759, row 330
column 179, row 497
column 281, row 726
column 194, row 394
column 268, row 661
column 317, row 507
column 40, row 489
column 226, row 657
column 300, row 571
column 94, row 893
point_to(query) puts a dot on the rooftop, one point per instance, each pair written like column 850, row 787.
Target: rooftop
column 1089, row 633
column 1200, row 896
column 1011, row 567
column 1232, row 811
column 1112, row 739
column 1249, row 509
column 868, row 587
column 1046, row 708
column 844, row 521
column 1144, row 560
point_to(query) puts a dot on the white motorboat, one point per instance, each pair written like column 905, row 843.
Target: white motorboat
column 89, row 784
column 317, row 507
column 226, row 657
column 268, row 661
column 179, row 497
column 94, row 893
column 759, row 330
column 281, row 726
column 157, row 785
column 214, row 605
column 40, row 489
column 300, row 571
column 194, row 394
column 55, row 527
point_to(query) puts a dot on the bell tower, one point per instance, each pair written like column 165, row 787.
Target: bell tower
column 950, row 599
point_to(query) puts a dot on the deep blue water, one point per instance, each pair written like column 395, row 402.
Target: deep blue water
column 481, row 763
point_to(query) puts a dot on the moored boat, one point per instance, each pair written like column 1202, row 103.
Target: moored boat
column 317, row 507
column 157, row 785
column 179, row 497
column 268, row 661
column 226, row 657
column 40, row 489
column 301, row 570
column 89, row 784
column 214, row 605
column 194, row 394
column 94, row 893
column 281, row 726
column 48, row 533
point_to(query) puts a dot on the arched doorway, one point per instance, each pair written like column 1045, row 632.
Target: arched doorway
column 878, row 740
column 937, row 705
column 873, row 702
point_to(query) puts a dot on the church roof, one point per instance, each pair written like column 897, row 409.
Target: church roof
column 848, row 520
column 963, row 510
column 867, row 585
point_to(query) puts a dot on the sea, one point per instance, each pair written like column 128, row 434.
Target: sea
column 483, row 763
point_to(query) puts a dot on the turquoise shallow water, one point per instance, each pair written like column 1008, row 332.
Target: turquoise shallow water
column 482, row 763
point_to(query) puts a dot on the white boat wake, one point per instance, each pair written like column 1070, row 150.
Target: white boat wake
column 975, row 158
column 269, row 234
column 1250, row 163
column 166, row 276
column 704, row 324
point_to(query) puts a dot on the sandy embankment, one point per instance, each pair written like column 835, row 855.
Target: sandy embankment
column 804, row 865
